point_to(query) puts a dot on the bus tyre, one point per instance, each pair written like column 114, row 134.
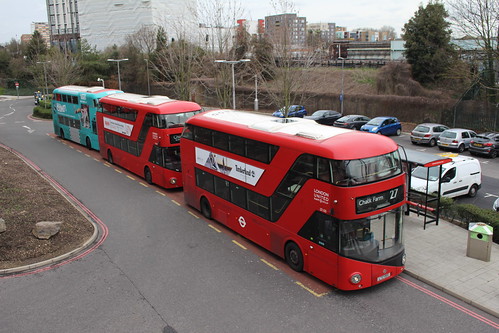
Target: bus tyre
column 205, row 208
column 294, row 257
column 88, row 143
column 61, row 134
column 147, row 175
column 473, row 190
column 110, row 157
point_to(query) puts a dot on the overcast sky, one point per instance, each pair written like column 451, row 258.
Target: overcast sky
column 16, row 15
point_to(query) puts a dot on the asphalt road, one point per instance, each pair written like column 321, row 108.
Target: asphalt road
column 162, row 268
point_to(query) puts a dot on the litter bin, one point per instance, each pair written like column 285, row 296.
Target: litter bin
column 479, row 241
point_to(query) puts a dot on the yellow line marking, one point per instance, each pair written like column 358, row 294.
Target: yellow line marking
column 161, row 193
column 130, row 177
column 211, row 226
column 118, row 171
column 310, row 290
column 87, row 155
column 269, row 264
column 96, row 160
column 176, row 203
column 143, row 184
column 193, row 214
column 70, row 147
column 239, row 244
column 107, row 164
column 79, row 151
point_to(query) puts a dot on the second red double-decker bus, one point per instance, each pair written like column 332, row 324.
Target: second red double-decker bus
column 142, row 134
column 328, row 200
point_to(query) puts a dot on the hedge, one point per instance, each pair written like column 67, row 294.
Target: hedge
column 42, row 112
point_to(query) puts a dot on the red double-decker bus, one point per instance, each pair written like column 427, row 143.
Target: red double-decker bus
column 142, row 134
column 328, row 200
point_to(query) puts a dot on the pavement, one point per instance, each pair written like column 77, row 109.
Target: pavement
column 437, row 256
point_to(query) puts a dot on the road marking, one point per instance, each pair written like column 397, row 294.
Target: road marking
column 161, row 193
column 487, row 195
column 310, row 290
column 107, row 164
column 176, row 203
column 130, row 177
column 96, row 160
column 79, row 151
column 193, row 214
column 269, row 264
column 214, row 228
column 239, row 244
column 144, row 184
column 87, row 155
column 118, row 171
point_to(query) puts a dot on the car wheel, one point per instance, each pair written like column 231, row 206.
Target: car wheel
column 433, row 143
column 399, row 131
column 460, row 149
column 493, row 154
column 294, row 257
column 473, row 190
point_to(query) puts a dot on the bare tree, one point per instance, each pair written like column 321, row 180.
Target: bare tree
column 479, row 20
column 144, row 39
column 63, row 68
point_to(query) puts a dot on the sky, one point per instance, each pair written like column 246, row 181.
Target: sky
column 16, row 16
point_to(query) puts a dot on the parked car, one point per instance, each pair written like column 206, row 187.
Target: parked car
column 383, row 125
column 485, row 144
column 293, row 111
column 325, row 117
column 462, row 176
column 352, row 121
column 495, row 206
column 455, row 138
column 427, row 133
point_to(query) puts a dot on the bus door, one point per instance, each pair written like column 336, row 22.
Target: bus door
column 321, row 232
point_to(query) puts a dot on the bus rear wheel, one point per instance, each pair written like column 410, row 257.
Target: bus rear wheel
column 110, row 157
column 148, row 175
column 294, row 257
column 61, row 134
column 205, row 208
column 88, row 143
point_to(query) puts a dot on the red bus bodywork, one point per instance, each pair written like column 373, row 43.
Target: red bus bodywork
column 314, row 196
column 128, row 135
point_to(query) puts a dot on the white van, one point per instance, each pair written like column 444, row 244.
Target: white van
column 462, row 176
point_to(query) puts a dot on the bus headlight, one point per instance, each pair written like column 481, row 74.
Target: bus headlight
column 355, row 278
column 173, row 180
column 403, row 259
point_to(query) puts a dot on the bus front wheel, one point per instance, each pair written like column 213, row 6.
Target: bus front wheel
column 147, row 175
column 110, row 157
column 294, row 257
column 88, row 143
column 205, row 208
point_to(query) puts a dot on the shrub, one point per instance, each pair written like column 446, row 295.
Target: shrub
column 42, row 112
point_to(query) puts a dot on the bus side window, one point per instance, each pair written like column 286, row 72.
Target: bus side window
column 323, row 170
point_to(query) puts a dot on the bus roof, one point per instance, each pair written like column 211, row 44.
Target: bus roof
column 92, row 90
column 142, row 99
column 334, row 142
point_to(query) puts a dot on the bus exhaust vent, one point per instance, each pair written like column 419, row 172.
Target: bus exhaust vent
column 309, row 135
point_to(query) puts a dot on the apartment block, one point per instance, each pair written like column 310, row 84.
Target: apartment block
column 287, row 29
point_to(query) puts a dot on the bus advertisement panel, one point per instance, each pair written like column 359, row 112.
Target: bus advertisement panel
column 73, row 113
column 142, row 134
column 328, row 200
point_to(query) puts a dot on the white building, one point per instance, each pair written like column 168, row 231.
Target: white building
column 104, row 23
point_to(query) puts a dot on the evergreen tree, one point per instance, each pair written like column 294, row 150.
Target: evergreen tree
column 427, row 43
column 36, row 47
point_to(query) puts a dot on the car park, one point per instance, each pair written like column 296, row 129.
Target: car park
column 325, row 117
column 383, row 125
column 293, row 111
column 456, row 139
column 352, row 121
column 485, row 144
column 462, row 176
column 427, row 133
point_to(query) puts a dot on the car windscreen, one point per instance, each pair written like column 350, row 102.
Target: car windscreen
column 375, row 122
column 450, row 135
column 423, row 129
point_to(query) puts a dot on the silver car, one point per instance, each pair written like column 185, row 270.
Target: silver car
column 427, row 133
column 456, row 139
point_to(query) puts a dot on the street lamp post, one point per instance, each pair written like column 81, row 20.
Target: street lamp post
column 45, row 75
column 342, row 79
column 101, row 80
column 256, row 93
column 147, row 71
column 233, row 62
column 118, row 62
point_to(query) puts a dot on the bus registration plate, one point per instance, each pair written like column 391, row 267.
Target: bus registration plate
column 382, row 277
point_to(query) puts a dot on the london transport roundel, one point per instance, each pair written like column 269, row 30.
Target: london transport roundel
column 242, row 221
